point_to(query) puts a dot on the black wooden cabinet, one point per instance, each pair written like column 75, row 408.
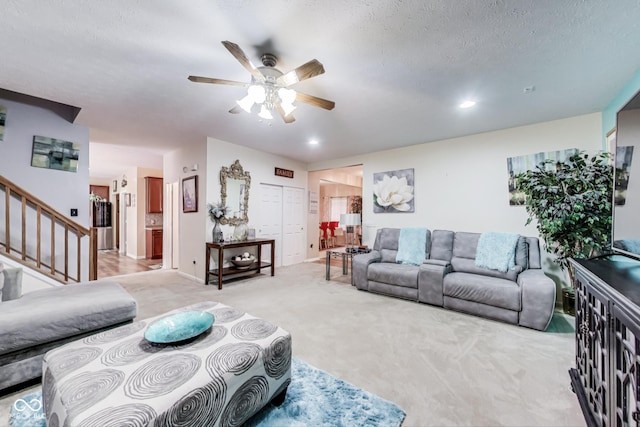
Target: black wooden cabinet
column 606, row 378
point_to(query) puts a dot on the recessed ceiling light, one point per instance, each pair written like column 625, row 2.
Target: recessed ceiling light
column 467, row 104
column 313, row 142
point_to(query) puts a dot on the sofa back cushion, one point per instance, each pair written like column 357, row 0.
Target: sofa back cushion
column 442, row 245
column 464, row 255
column 522, row 253
column 533, row 252
column 387, row 243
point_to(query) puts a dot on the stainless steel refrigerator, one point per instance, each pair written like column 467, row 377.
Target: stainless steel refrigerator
column 102, row 222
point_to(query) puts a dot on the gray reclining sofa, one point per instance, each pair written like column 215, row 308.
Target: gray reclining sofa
column 39, row 321
column 450, row 278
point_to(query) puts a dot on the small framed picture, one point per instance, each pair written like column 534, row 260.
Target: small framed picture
column 251, row 233
column 114, row 184
column 190, row 194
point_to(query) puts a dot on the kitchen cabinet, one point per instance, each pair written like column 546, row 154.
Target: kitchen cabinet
column 154, row 194
column 153, row 247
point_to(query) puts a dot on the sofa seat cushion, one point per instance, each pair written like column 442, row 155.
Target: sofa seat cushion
column 466, row 265
column 483, row 289
column 396, row 274
column 63, row 311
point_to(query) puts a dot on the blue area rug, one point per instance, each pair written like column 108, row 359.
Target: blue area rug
column 561, row 324
column 314, row 398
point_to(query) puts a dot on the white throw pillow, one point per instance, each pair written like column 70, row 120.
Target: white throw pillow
column 12, row 284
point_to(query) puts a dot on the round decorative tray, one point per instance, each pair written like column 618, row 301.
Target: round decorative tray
column 178, row 327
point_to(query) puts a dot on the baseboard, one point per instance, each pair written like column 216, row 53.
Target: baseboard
column 189, row 276
column 312, row 259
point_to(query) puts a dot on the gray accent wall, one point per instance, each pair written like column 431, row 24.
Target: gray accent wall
column 26, row 117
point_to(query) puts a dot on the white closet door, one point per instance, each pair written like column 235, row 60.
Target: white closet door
column 271, row 220
column 293, row 226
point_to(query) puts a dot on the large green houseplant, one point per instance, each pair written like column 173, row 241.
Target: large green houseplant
column 571, row 201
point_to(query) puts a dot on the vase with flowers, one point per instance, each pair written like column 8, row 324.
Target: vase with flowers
column 216, row 212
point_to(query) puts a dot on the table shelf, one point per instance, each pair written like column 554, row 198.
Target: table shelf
column 233, row 272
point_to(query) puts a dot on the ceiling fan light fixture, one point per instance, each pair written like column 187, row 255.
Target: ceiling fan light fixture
column 257, row 93
column 265, row 113
column 288, row 96
column 246, row 103
column 288, row 108
column 269, row 87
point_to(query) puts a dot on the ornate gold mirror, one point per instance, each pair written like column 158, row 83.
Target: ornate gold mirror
column 234, row 193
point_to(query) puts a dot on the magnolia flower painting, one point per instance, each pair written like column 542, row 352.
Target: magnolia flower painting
column 393, row 191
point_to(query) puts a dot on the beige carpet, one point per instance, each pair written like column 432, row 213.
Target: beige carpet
column 443, row 368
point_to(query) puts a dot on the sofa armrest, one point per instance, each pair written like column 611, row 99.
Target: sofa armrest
column 359, row 265
column 430, row 279
column 538, row 299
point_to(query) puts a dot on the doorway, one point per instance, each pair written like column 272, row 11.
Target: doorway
column 282, row 219
column 340, row 192
column 171, row 252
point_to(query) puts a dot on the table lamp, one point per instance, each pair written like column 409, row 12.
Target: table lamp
column 350, row 220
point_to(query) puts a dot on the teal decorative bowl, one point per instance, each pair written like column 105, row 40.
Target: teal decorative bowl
column 178, row 327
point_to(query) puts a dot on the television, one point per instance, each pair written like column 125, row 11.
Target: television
column 626, row 204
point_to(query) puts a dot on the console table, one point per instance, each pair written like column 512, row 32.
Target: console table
column 607, row 372
column 222, row 272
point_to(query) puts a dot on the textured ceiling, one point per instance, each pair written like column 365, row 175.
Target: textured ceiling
column 396, row 69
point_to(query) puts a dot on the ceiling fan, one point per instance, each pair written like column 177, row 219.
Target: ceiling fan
column 269, row 87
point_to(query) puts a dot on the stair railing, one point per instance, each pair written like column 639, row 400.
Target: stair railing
column 38, row 236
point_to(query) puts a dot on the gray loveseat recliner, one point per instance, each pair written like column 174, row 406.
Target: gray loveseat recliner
column 41, row 320
column 449, row 278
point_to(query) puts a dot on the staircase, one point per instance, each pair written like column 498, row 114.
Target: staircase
column 37, row 236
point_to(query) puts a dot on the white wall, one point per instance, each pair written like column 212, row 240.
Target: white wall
column 61, row 190
column 261, row 167
column 461, row 183
column 192, row 224
column 131, row 212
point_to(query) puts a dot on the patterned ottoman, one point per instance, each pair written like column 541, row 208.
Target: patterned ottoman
column 117, row 377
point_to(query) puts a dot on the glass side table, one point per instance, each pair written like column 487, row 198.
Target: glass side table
column 346, row 258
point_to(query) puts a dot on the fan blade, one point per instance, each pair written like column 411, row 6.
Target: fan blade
column 236, row 110
column 242, row 59
column 287, row 119
column 303, row 72
column 315, row 101
column 199, row 79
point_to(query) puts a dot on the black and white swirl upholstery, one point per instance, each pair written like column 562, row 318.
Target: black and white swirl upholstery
column 222, row 377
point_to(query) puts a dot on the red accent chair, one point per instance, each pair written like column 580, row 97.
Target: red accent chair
column 332, row 228
column 324, row 235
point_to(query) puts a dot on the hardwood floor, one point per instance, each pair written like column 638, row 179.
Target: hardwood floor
column 111, row 263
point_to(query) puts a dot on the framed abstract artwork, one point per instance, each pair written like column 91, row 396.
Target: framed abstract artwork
column 56, row 154
column 3, row 119
column 520, row 164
